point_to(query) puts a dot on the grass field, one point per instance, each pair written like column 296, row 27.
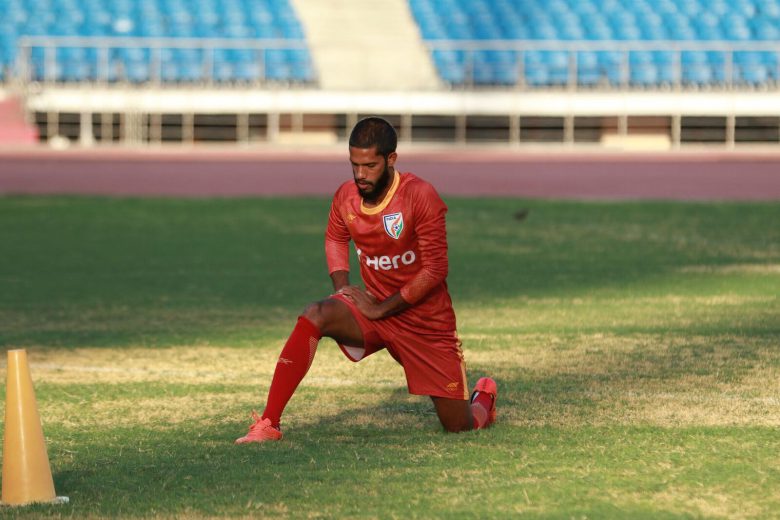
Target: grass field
column 635, row 345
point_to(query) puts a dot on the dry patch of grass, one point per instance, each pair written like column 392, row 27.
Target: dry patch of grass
column 196, row 364
column 708, row 503
column 763, row 269
column 246, row 374
column 159, row 413
column 106, row 319
column 666, row 381
column 546, row 379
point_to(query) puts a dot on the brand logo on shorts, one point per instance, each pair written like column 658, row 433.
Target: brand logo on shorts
column 394, row 224
column 453, row 387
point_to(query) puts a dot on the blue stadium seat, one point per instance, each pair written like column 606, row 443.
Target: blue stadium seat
column 603, row 20
column 236, row 19
column 614, row 67
column 588, row 70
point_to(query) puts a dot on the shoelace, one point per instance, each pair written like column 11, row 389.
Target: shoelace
column 258, row 421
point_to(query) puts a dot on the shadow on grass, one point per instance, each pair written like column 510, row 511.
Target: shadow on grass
column 139, row 472
column 164, row 272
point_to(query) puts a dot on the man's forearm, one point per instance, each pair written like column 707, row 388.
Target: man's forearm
column 340, row 279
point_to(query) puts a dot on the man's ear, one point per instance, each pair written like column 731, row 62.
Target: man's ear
column 391, row 157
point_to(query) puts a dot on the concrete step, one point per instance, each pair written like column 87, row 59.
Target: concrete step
column 366, row 45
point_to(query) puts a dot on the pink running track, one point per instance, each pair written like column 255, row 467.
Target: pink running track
column 198, row 172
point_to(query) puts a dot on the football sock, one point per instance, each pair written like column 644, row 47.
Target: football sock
column 479, row 409
column 293, row 364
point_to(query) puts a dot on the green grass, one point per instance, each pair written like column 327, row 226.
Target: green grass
column 635, row 346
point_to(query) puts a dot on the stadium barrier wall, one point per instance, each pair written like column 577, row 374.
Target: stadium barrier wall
column 625, row 119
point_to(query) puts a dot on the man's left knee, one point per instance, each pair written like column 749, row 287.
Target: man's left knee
column 455, row 426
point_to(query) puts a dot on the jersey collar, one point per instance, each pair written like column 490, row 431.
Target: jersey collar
column 386, row 200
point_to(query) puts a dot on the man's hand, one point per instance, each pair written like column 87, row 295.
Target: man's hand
column 370, row 307
column 366, row 302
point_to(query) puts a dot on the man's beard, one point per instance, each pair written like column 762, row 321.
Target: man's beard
column 371, row 193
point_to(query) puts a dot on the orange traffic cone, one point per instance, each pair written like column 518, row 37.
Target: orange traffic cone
column 26, row 471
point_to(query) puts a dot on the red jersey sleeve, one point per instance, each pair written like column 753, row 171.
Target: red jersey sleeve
column 337, row 239
column 431, row 229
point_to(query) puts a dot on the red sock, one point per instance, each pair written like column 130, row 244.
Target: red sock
column 293, row 364
column 479, row 409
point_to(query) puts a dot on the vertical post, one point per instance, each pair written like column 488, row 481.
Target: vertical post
column 731, row 130
column 406, row 128
column 272, row 132
column 25, row 62
column 623, row 126
column 209, row 60
column 52, row 124
column 155, row 128
column 460, row 129
column 155, row 62
column 676, row 131
column 242, row 127
column 568, row 129
column 106, row 127
column 625, row 69
column 729, row 72
column 103, row 65
column 132, row 128
column 297, row 123
column 521, row 70
column 469, row 68
column 678, row 69
column 514, row 129
column 572, row 79
column 188, row 128
column 352, row 120
column 86, row 137
column 49, row 64
column 143, row 128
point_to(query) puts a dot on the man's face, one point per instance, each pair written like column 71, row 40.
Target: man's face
column 371, row 171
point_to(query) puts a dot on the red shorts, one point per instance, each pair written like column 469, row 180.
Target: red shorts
column 432, row 361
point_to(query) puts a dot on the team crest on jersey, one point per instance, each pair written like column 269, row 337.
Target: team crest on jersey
column 394, row 224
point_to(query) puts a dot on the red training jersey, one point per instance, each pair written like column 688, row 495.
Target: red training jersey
column 401, row 246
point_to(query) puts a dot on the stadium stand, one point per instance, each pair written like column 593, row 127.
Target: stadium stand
column 627, row 43
column 164, row 40
column 639, row 74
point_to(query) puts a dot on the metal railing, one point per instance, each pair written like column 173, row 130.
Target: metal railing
column 106, row 61
column 607, row 64
column 466, row 64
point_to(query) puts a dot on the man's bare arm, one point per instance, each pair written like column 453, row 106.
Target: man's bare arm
column 340, row 279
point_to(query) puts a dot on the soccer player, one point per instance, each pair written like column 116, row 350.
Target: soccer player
column 397, row 222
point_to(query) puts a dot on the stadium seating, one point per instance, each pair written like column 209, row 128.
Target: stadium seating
column 195, row 21
column 653, row 23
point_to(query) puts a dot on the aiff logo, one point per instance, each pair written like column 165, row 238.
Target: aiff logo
column 394, row 224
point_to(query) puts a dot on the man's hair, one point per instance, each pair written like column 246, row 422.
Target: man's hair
column 374, row 131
